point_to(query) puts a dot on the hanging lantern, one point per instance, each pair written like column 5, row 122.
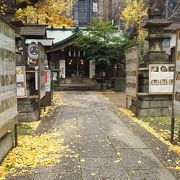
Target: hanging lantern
column 82, row 61
column 74, row 53
column 69, row 53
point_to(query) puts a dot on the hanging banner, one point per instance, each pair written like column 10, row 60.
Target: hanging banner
column 62, row 64
column 21, row 81
column 132, row 54
column 47, row 74
column 161, row 78
column 177, row 78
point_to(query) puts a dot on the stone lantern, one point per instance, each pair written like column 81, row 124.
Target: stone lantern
column 155, row 26
column 156, row 104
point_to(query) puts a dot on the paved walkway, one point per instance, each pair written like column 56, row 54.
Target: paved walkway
column 107, row 148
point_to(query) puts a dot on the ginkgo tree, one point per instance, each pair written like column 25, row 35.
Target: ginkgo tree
column 2, row 7
column 133, row 14
column 50, row 12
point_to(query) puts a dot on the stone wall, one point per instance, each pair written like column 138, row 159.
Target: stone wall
column 28, row 110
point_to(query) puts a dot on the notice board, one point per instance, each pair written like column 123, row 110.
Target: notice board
column 161, row 78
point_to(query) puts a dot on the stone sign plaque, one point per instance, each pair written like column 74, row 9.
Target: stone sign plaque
column 161, row 78
column 177, row 78
column 41, row 70
column 8, row 99
column 132, row 70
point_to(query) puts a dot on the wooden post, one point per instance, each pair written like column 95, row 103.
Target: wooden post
column 172, row 128
column 16, row 136
column 126, row 101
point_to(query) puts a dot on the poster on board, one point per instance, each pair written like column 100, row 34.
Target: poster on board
column 132, row 54
column 21, row 81
column 161, row 78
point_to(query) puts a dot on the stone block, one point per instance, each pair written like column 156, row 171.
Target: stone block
column 155, row 112
column 145, row 98
column 166, row 104
column 28, row 117
column 155, row 104
column 166, row 112
column 158, row 58
column 161, row 98
column 6, row 144
column 143, row 112
column 144, row 104
column 25, row 108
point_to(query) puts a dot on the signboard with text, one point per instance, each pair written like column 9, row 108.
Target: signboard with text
column 132, row 70
column 161, row 78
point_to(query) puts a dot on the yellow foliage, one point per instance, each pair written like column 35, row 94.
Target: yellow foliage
column 2, row 7
column 34, row 151
column 133, row 14
column 50, row 12
column 57, row 101
column 145, row 125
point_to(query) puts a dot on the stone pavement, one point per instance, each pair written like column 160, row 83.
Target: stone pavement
column 107, row 148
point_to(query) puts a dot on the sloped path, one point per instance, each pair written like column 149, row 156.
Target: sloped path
column 107, row 149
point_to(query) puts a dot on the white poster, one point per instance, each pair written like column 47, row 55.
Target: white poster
column 62, row 64
column 54, row 76
column 21, row 81
column 95, row 7
column 161, row 78
column 91, row 69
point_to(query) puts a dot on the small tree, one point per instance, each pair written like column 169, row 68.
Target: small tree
column 103, row 43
